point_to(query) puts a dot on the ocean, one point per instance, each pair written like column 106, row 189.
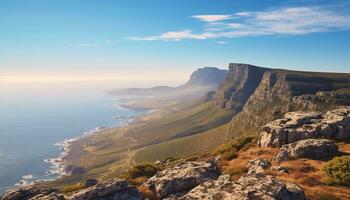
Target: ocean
column 35, row 117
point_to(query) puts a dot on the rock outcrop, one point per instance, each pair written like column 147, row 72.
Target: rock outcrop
column 115, row 189
column 258, row 165
column 318, row 149
column 302, row 125
column 250, row 186
column 182, row 177
column 27, row 192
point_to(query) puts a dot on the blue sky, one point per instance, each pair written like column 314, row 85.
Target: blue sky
column 171, row 38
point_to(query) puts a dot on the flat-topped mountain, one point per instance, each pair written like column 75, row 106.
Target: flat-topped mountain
column 200, row 82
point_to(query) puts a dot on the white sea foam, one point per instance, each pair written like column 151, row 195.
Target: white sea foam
column 57, row 167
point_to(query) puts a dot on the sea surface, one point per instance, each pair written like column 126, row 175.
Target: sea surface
column 35, row 117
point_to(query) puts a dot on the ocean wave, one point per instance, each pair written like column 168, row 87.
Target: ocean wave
column 57, row 167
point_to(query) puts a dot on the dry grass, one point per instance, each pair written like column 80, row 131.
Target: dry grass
column 147, row 192
column 308, row 174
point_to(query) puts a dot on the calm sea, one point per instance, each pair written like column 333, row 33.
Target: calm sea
column 36, row 116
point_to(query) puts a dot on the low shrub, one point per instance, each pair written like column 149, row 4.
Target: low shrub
column 229, row 154
column 141, row 170
column 338, row 169
column 229, row 150
column 326, row 196
column 72, row 188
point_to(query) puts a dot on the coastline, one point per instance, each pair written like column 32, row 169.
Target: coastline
column 59, row 165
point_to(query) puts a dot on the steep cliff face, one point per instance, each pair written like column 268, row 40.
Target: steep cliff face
column 240, row 82
column 281, row 91
column 206, row 76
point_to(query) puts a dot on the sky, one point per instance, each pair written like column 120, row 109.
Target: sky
column 164, row 41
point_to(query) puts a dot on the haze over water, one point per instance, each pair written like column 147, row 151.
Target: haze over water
column 35, row 116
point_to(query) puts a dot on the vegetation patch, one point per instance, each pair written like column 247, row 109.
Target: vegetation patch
column 72, row 188
column 338, row 170
column 141, row 170
column 229, row 150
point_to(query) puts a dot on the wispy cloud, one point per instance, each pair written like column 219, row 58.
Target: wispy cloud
column 221, row 42
column 281, row 21
column 211, row 18
column 95, row 44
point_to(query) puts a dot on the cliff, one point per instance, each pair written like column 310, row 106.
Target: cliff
column 280, row 91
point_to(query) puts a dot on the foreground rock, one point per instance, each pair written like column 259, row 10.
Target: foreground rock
column 301, row 125
column 317, row 149
column 27, row 192
column 258, row 165
column 182, row 178
column 250, row 186
column 116, row 189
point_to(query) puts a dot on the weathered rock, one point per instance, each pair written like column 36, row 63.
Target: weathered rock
column 280, row 169
column 26, row 192
column 52, row 196
column 222, row 188
column 250, row 186
column 317, row 149
column 182, row 177
column 258, row 165
column 115, row 189
column 90, row 182
column 301, row 125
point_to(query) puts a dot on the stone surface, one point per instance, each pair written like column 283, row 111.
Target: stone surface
column 182, row 177
column 90, row 182
column 250, row 186
column 280, row 169
column 318, row 149
column 295, row 126
column 26, row 192
column 115, row 189
column 258, row 165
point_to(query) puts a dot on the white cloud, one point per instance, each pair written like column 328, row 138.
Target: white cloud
column 281, row 21
column 221, row 42
column 211, row 18
column 176, row 36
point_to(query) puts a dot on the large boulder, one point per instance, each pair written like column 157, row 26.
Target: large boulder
column 182, row 177
column 318, row 149
column 250, row 186
column 27, row 192
column 116, row 189
column 302, row 125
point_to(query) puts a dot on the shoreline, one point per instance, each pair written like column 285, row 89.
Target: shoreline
column 57, row 166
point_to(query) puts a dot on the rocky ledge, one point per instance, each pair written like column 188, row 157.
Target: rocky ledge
column 318, row 149
column 182, row 177
column 302, row 125
column 114, row 189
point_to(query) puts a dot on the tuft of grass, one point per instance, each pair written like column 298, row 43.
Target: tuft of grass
column 338, row 169
column 141, row 170
column 229, row 150
column 72, row 188
column 327, row 196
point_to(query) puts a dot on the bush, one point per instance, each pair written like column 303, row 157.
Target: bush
column 141, row 170
column 338, row 169
column 229, row 150
column 229, row 154
column 327, row 196
column 72, row 188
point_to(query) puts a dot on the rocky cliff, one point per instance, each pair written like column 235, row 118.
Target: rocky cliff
column 263, row 94
column 240, row 82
